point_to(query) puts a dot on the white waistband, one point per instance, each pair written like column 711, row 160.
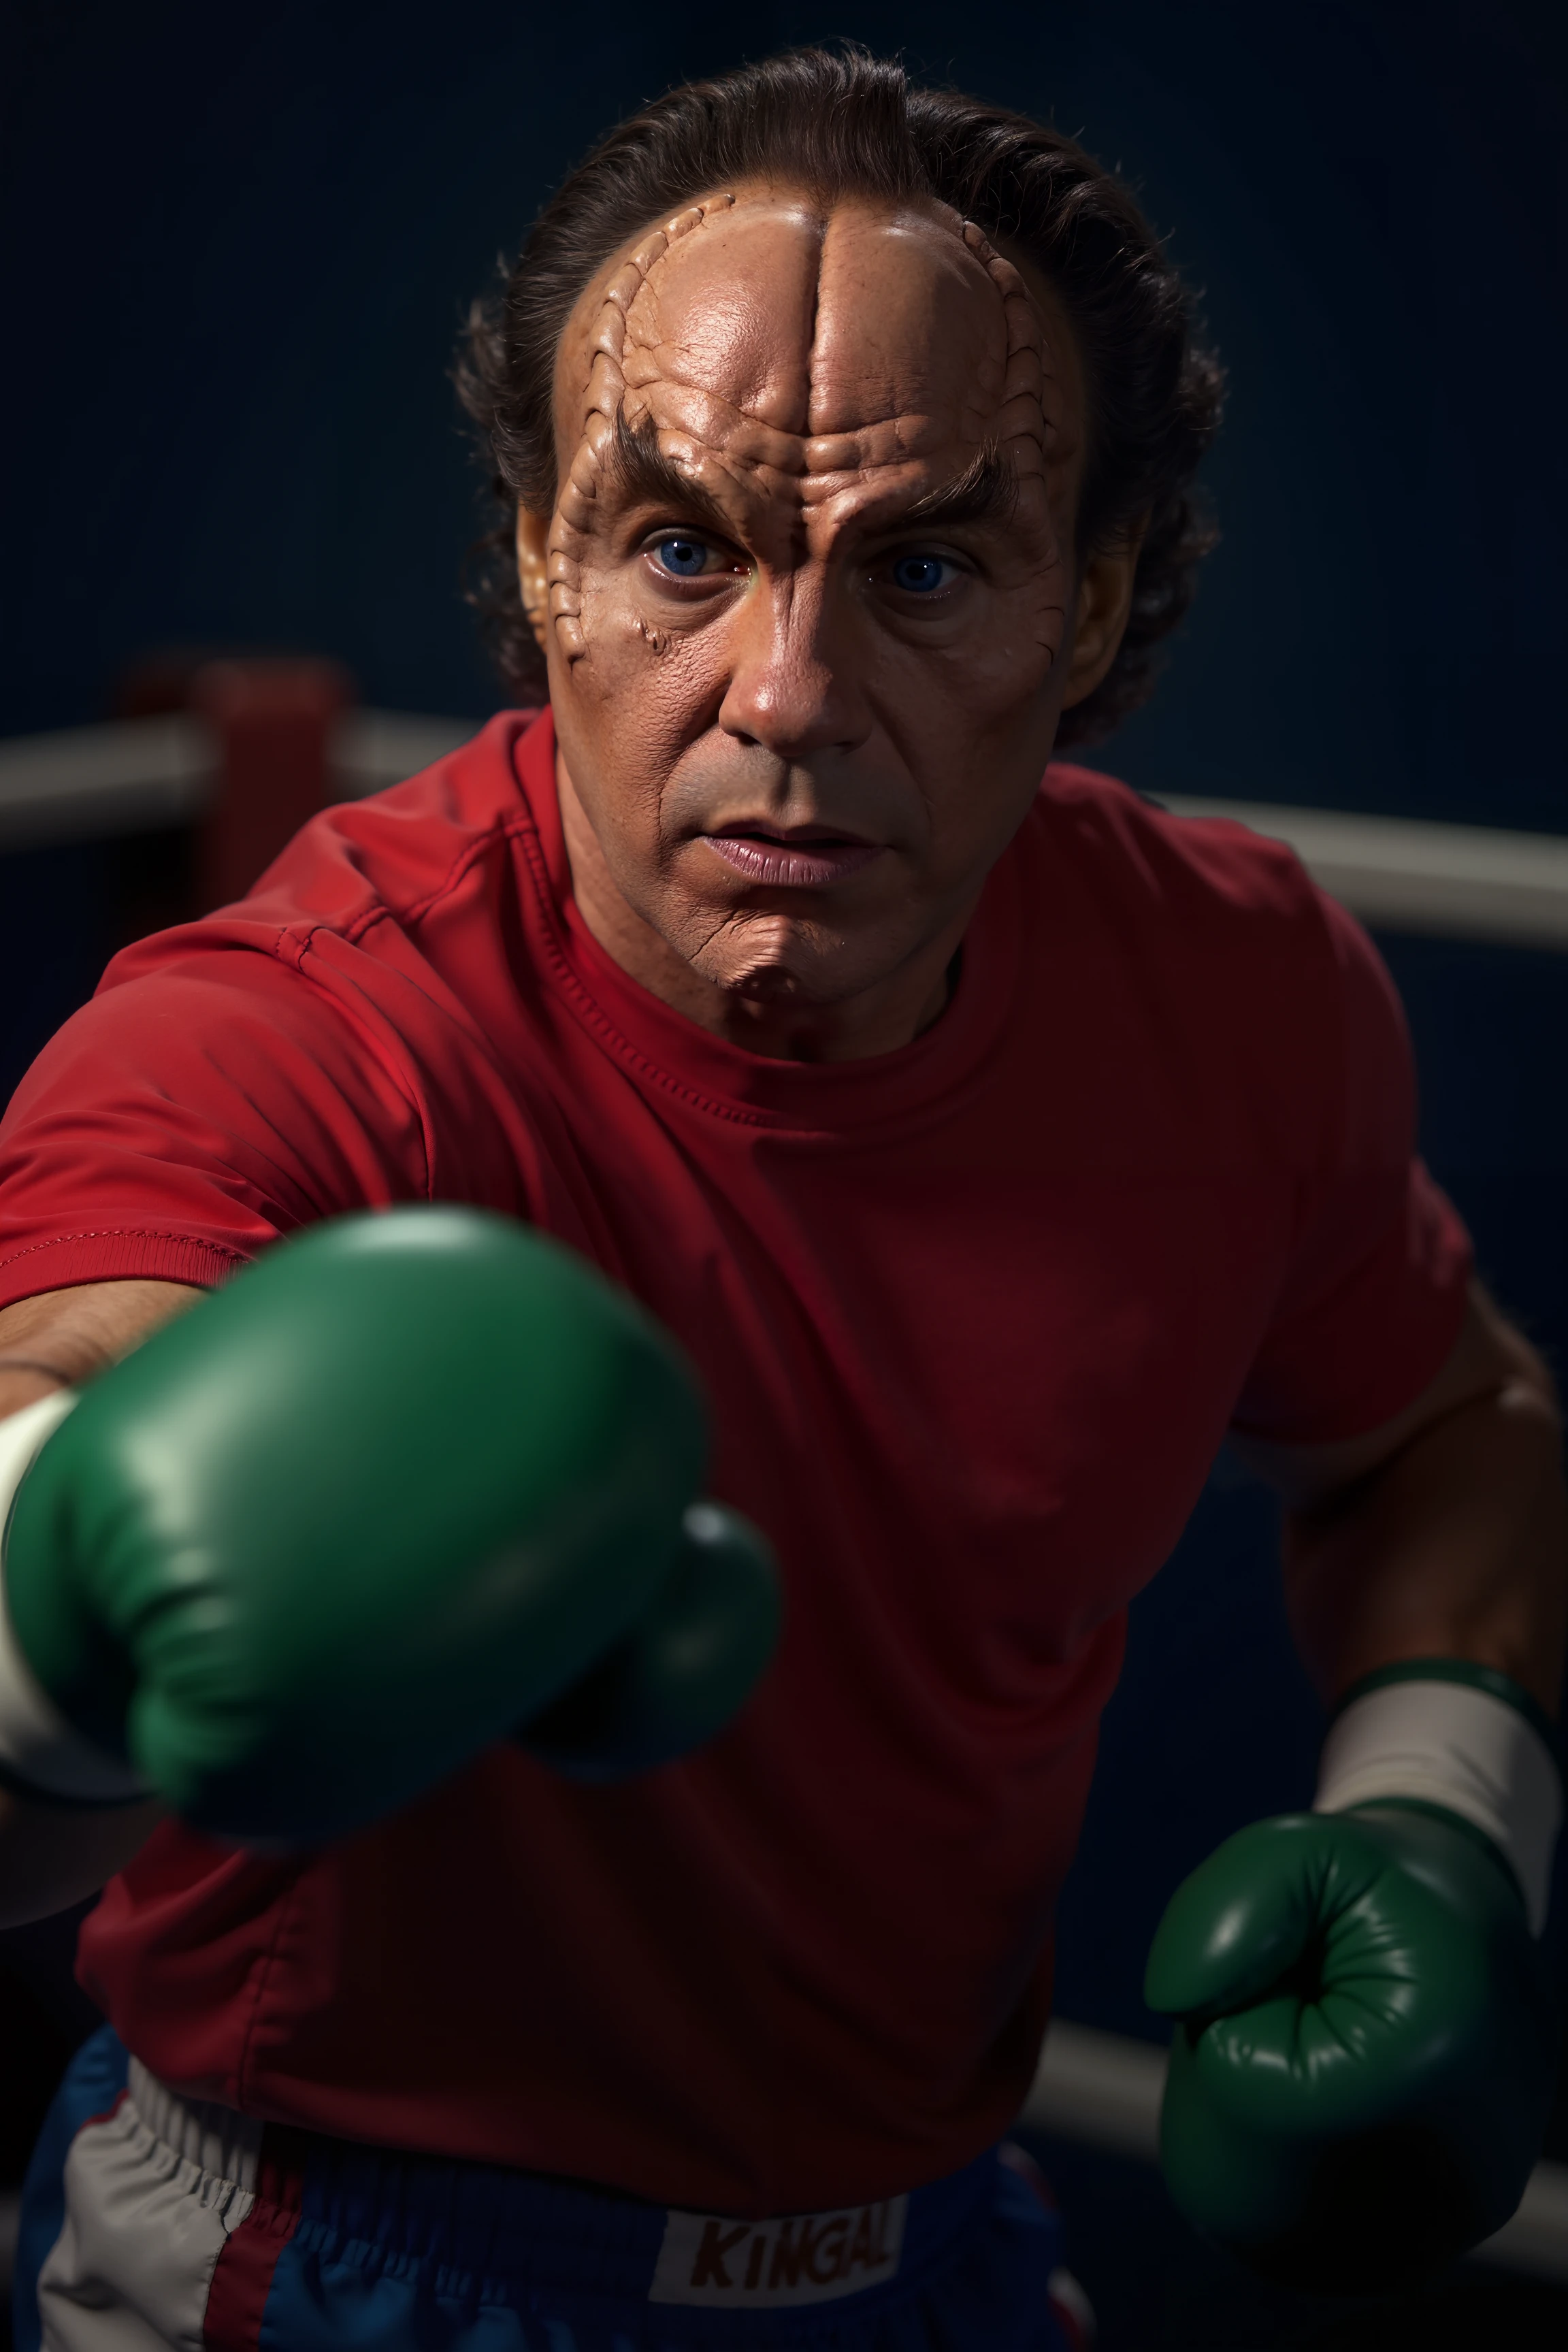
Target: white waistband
column 219, row 2142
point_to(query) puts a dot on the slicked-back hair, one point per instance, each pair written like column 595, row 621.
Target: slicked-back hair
column 839, row 123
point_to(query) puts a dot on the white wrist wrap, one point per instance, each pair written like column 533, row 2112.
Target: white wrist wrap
column 38, row 1745
column 1456, row 1747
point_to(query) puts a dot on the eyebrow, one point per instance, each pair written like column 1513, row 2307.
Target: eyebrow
column 985, row 492
column 641, row 472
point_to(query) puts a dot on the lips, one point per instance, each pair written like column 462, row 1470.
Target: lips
column 776, row 863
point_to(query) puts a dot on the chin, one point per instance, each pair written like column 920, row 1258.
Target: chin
column 780, row 984
column 775, row 962
column 802, row 982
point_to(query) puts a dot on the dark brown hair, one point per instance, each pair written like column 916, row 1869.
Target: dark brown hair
column 837, row 124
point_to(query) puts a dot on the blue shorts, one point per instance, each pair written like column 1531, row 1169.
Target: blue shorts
column 148, row 2220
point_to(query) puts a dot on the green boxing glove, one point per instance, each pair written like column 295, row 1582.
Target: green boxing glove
column 412, row 1482
column 687, row 1669
column 1365, row 2056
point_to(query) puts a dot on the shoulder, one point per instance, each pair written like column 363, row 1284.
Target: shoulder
column 399, row 852
column 362, row 881
column 1192, row 866
column 376, row 936
column 1204, row 898
column 325, row 1041
column 1220, row 939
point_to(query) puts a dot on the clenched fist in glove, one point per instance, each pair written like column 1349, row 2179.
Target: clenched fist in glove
column 1364, row 2056
column 412, row 1483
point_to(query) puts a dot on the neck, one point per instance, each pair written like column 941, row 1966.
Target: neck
column 877, row 1019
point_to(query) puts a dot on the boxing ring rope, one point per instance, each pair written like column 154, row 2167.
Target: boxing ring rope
column 138, row 775
column 1455, row 881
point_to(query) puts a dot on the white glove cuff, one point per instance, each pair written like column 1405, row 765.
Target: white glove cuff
column 1461, row 1747
column 39, row 1750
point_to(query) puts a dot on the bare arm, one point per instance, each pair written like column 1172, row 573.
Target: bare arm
column 51, row 1856
column 65, row 1336
column 1443, row 1534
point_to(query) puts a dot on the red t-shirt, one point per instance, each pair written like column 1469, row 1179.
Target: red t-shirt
column 974, row 1318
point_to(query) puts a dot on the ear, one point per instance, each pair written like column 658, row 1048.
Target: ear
column 1099, row 614
column 532, row 571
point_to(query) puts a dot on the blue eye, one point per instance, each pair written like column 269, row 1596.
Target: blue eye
column 686, row 557
column 917, row 575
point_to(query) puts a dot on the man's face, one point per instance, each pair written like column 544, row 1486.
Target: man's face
column 810, row 580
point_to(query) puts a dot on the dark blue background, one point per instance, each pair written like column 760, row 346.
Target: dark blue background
column 234, row 248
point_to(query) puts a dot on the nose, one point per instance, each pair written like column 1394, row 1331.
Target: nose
column 793, row 684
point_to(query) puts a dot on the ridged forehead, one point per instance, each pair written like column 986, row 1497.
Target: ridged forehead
column 814, row 323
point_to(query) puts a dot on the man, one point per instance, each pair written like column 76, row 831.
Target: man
column 992, row 1150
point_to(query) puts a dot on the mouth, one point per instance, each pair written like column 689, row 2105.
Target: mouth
column 807, row 857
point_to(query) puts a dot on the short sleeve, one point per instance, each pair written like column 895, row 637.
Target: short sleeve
column 1375, row 1293
column 188, row 1117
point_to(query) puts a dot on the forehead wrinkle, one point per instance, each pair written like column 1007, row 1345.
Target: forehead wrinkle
column 745, row 471
column 693, row 415
column 643, row 473
column 733, row 479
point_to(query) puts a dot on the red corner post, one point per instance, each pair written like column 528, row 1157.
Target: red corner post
column 273, row 721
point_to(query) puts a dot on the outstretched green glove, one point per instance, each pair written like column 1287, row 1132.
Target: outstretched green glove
column 1364, row 2059
column 388, row 1497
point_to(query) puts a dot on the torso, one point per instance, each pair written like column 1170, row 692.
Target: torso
column 972, row 1320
